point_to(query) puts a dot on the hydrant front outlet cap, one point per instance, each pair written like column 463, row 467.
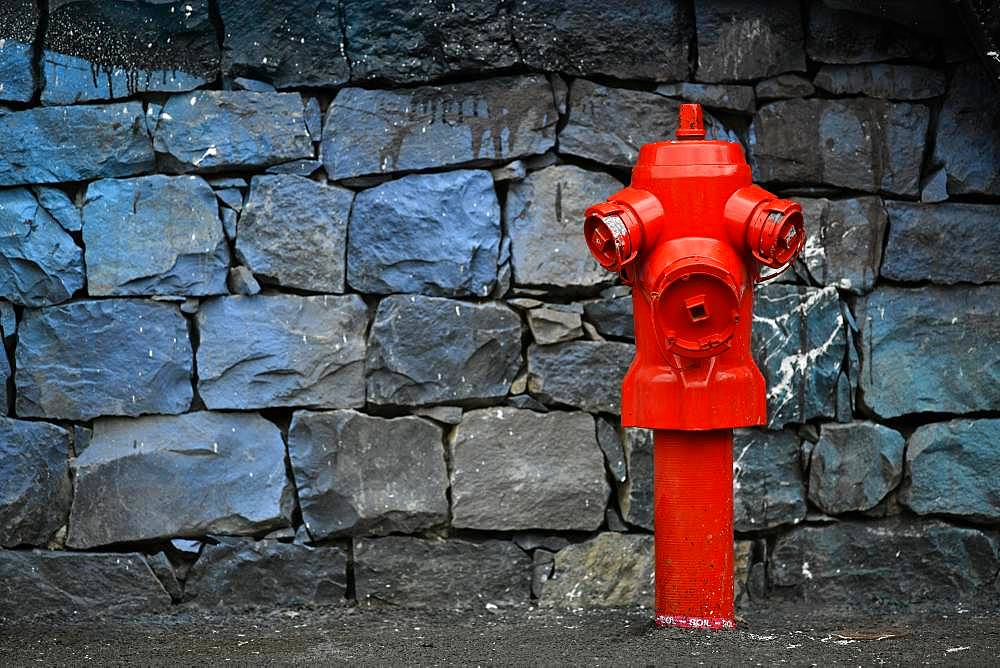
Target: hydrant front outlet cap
column 692, row 234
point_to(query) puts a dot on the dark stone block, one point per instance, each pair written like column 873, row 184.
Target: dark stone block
column 290, row 43
column 549, row 204
column 58, row 205
column 40, row 264
column 968, row 134
column 154, row 235
column 609, row 570
column 213, row 130
column 408, row 366
column 189, row 475
column 417, row 573
column 36, row 492
column 241, row 282
column 483, row 122
column 868, row 145
column 610, row 441
column 555, row 323
column 915, row 350
column 50, row 145
column 612, row 316
column 359, row 474
column 516, row 469
column 644, row 39
column 97, row 50
column 136, row 360
column 854, row 466
column 768, row 490
column 17, row 35
column 834, row 36
column 895, row 82
column 783, row 86
column 799, row 342
column 843, row 242
column 886, row 564
column 282, row 350
column 951, row 469
column 434, row 234
column 583, row 374
column 746, row 39
column 391, row 40
column 66, row 584
column 609, row 125
column 739, row 99
column 267, row 574
column 635, row 494
column 946, row 243
column 293, row 232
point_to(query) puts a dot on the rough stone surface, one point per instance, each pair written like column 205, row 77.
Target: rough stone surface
column 610, row 570
column 635, row 494
column 783, row 86
column 17, row 35
column 290, row 43
column 915, row 350
column 768, row 490
column 549, row 204
column 36, row 490
column 854, row 466
column 407, row 365
column 137, row 359
column 891, row 564
column 241, row 282
column 38, row 583
column 282, row 350
column 727, row 98
column 40, row 263
column 934, row 188
column 154, row 235
column 834, row 36
column 868, row 145
column 359, row 474
column 58, row 205
column 895, row 82
column 951, row 469
column 490, row 121
column 100, row 51
column 799, row 344
column 516, row 469
column 968, row 136
column 435, row 234
column 610, row 440
column 583, row 374
column 293, row 231
column 244, row 574
column 844, row 240
column 49, row 145
column 213, row 130
column 553, row 325
column 390, row 41
column 742, row 39
column 612, row 316
column 946, row 243
column 609, row 125
column 417, row 573
column 645, row 39
column 189, row 475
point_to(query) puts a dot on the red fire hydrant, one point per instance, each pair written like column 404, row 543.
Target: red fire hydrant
column 691, row 235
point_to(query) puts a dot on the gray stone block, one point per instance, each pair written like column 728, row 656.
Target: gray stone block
column 293, row 232
column 154, row 235
column 136, row 360
column 359, row 474
column 40, row 264
column 549, row 324
column 544, row 216
column 59, row 205
column 282, row 350
column 190, row 475
column 783, row 86
column 844, row 240
column 17, row 79
column 739, row 99
column 482, row 122
column 768, row 490
column 635, row 494
column 894, row 82
column 951, row 469
column 915, row 350
column 434, row 234
column 583, row 374
column 967, row 141
column 610, row 570
column 854, row 466
column 35, row 496
column 834, row 36
column 517, row 469
column 408, row 366
column 452, row 574
column 213, row 130
column 612, row 316
column 609, row 438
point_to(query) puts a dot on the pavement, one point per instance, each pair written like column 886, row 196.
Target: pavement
column 352, row 636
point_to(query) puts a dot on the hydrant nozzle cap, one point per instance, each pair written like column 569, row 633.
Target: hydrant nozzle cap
column 690, row 122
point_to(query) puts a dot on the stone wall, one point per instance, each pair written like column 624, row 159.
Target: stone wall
column 297, row 310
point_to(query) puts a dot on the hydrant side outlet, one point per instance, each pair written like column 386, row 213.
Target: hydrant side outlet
column 692, row 234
